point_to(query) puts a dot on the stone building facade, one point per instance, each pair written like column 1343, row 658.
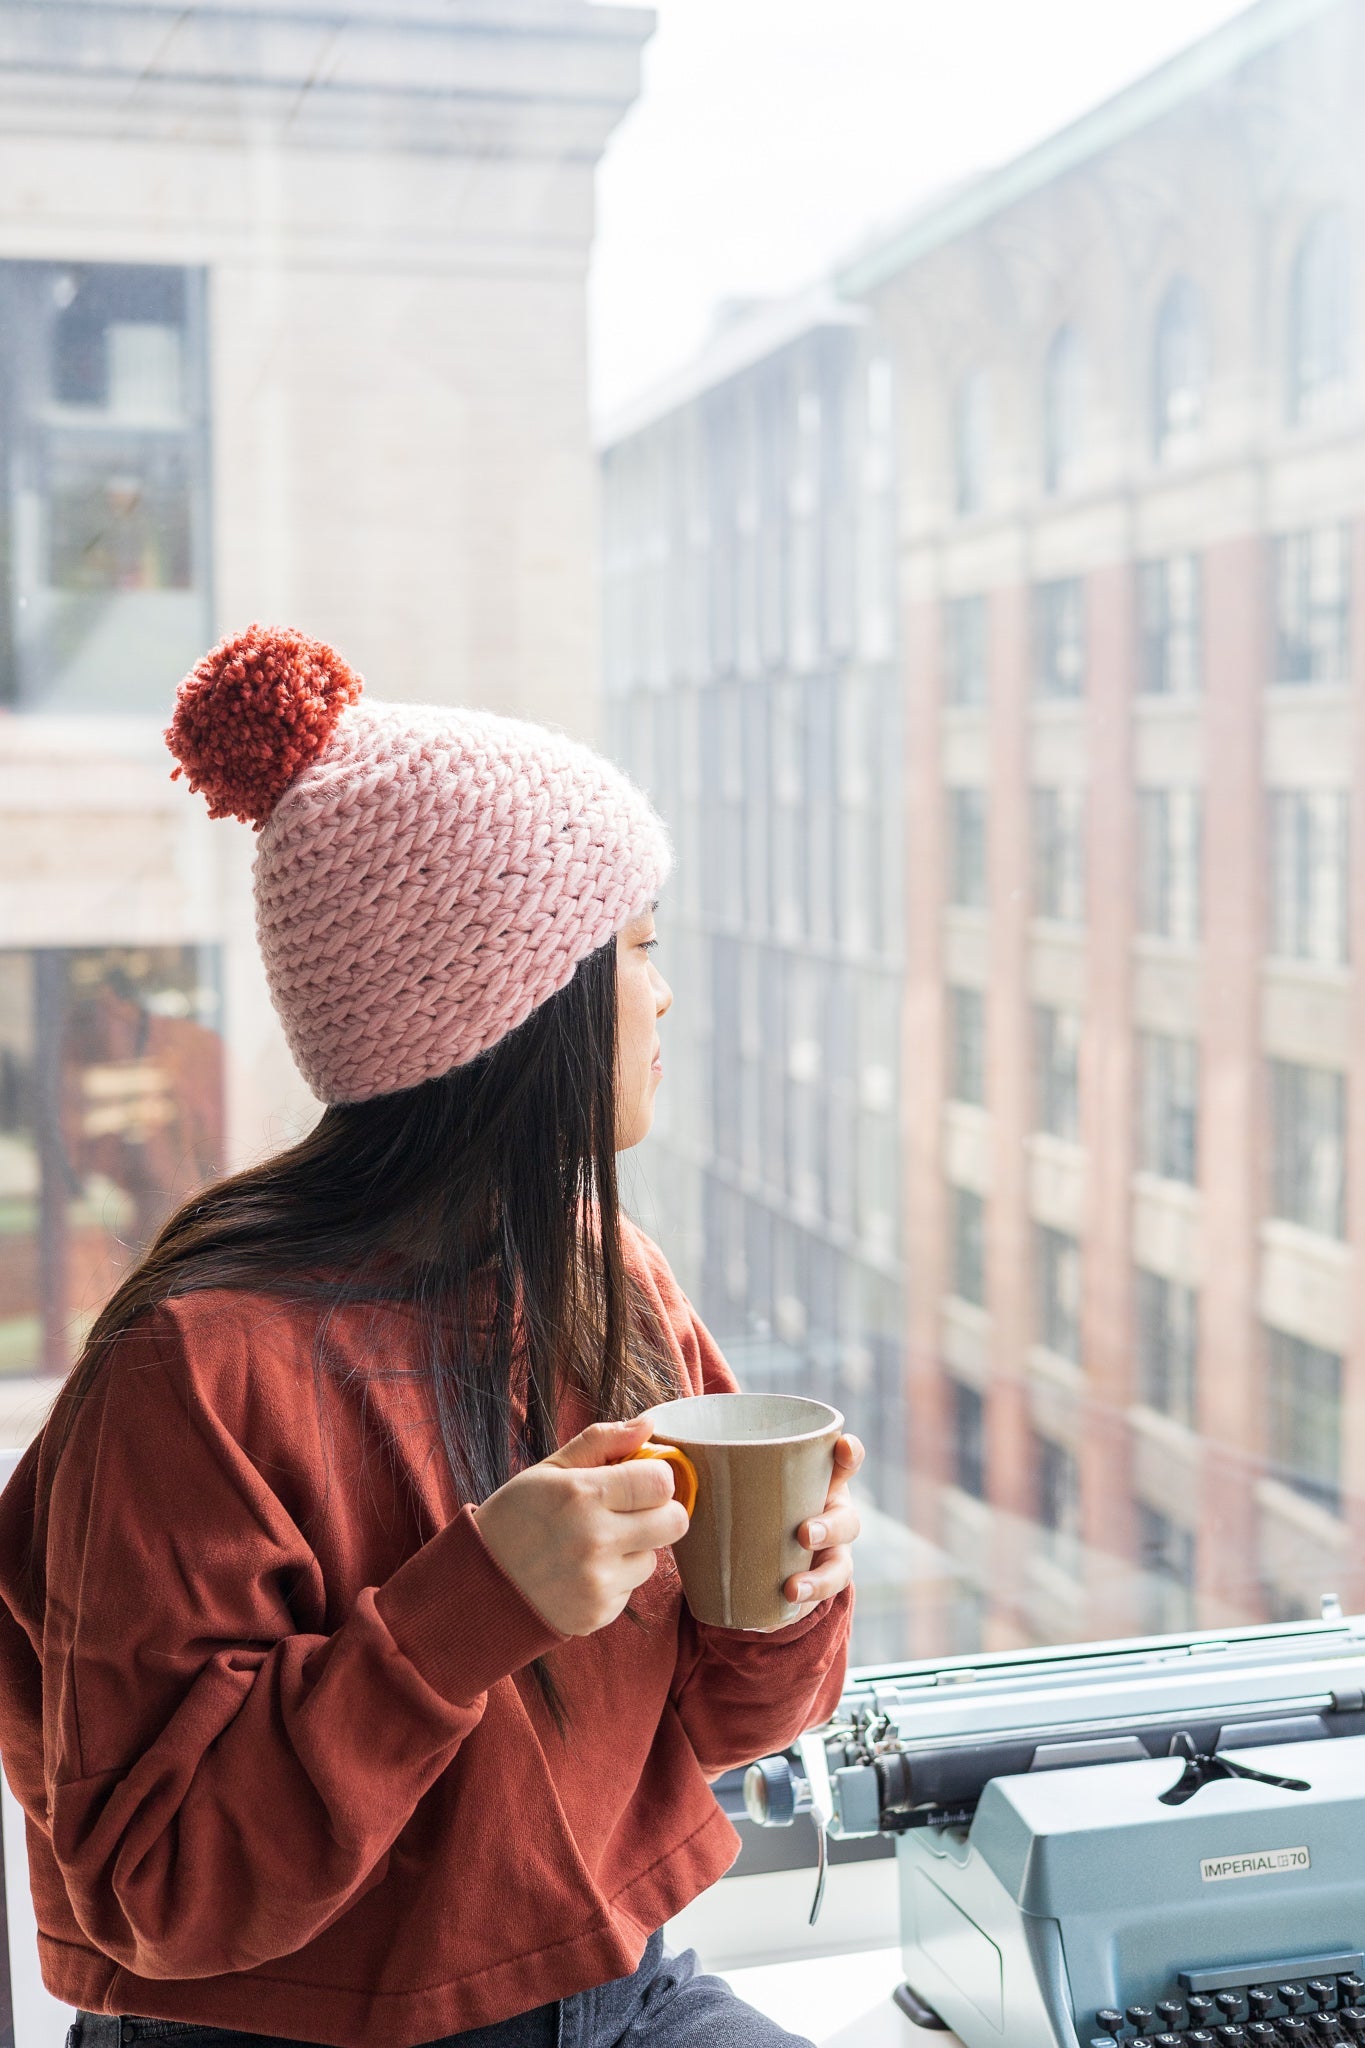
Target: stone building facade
column 293, row 324
column 1131, row 486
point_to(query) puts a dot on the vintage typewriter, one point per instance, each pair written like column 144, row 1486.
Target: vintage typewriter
column 1160, row 1839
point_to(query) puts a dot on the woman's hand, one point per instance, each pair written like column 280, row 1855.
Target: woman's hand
column 578, row 1533
column 830, row 1535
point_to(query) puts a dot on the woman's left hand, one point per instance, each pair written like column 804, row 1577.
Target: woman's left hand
column 830, row 1535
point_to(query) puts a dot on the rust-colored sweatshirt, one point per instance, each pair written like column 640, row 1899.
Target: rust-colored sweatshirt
column 283, row 1763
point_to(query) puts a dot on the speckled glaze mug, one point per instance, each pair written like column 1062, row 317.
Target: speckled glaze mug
column 764, row 1464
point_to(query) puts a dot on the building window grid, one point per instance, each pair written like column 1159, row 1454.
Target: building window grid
column 1179, row 367
column 967, row 1044
column 967, row 877
column 1303, row 1418
column 1167, row 1346
column 1171, row 626
column 1310, row 875
column 1057, row 1503
column 1166, row 1549
column 1169, row 1110
column 1312, row 591
column 1057, row 1273
column 969, row 1440
column 1063, row 380
column 1320, row 320
column 967, row 624
column 1056, row 1055
column 1170, row 858
column 1059, row 855
column 1308, row 1148
column 969, row 1246
column 1059, row 633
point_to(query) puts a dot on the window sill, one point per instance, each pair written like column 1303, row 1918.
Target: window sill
column 1305, row 1517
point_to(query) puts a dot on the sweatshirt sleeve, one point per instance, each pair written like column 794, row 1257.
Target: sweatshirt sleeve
column 740, row 1695
column 221, row 1784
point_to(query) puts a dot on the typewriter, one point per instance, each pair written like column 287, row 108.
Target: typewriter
column 1159, row 1840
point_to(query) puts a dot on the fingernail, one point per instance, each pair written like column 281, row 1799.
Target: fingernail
column 818, row 1532
column 803, row 1590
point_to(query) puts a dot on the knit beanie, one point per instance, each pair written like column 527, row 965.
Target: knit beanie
column 424, row 877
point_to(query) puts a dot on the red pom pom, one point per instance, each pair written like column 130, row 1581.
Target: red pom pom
column 255, row 712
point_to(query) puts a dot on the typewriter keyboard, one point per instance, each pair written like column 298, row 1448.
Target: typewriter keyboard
column 1299, row 2011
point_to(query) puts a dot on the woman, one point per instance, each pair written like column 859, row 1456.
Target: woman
column 348, row 1687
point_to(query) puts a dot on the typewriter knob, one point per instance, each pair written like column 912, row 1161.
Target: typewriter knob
column 1260, row 1999
column 1292, row 1996
column 1109, row 2021
column 1320, row 1991
column 1263, row 2033
column 1138, row 2017
column 1168, row 2011
column 1350, row 1987
column 1200, row 2009
column 1166, row 2041
column 1228, row 2002
column 1294, row 2028
column 1202, row 2037
column 1353, row 2021
column 1231, row 2036
column 773, row 1794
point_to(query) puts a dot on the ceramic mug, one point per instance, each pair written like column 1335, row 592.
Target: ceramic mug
column 757, row 1466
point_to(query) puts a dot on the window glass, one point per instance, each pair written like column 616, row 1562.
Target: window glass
column 968, row 621
column 1057, row 1504
column 1312, row 606
column 1179, row 368
column 1062, row 400
column 1170, row 849
column 971, row 448
column 1167, row 1550
column 1169, row 1113
column 1303, row 1423
column 967, row 886
column 1057, row 1055
column 1320, row 319
column 1171, row 656
column 969, row 1440
column 1167, row 1336
column 1310, row 875
column 1057, row 1274
column 1059, row 855
column 1308, row 1123
column 969, row 1246
column 967, row 1044
column 1059, row 610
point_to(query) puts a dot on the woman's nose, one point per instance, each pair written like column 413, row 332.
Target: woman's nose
column 663, row 995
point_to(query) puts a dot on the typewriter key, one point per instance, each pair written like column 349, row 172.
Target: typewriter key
column 1292, row 1996
column 1293, row 2028
column 1260, row 1998
column 1353, row 2023
column 1138, row 2016
column 1200, row 2008
column 1110, row 2021
column 1350, row 1987
column 1228, row 2002
column 1263, row 2034
column 1231, row 2037
column 1320, row 1991
column 1166, row 2040
column 1168, row 2011
column 1201, row 2037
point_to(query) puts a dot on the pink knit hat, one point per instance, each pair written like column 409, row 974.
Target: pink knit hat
column 424, row 877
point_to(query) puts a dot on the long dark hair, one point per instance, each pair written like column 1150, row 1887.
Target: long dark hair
column 486, row 1198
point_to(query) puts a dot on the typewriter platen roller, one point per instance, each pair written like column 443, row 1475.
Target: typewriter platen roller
column 1161, row 1839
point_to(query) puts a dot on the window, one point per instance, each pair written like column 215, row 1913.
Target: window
column 969, row 1440
column 1167, row 1345
column 967, row 1044
column 1178, row 369
column 1169, row 610
column 967, row 619
column 1310, row 875
column 1303, row 1422
column 971, row 438
column 1057, row 1503
column 967, row 848
column 1308, row 1126
column 1166, row 1552
column 1062, row 397
column 111, row 1112
column 1059, row 611
column 1057, row 1048
column 1058, row 855
column 1170, row 830
column 1312, row 590
column 1057, row 1275
column 1169, row 1118
column 1320, row 320
column 104, row 505
column 969, row 1246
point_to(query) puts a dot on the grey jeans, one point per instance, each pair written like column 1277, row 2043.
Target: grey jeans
column 669, row 2002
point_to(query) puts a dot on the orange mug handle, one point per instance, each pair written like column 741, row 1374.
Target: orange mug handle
column 684, row 1471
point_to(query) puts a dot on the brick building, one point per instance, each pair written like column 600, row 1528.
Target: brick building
column 1131, row 480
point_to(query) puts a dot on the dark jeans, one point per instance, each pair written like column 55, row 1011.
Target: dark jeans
column 668, row 2003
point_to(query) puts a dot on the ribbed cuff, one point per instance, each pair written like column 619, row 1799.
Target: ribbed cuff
column 458, row 1618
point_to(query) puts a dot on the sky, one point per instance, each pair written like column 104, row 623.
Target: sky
column 773, row 136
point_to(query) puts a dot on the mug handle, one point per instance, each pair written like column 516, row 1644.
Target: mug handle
column 684, row 1471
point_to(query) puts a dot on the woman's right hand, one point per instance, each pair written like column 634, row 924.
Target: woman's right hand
column 577, row 1534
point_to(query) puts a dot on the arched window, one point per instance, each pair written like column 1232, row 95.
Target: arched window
column 1061, row 409
column 1319, row 319
column 970, row 438
column 1179, row 362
